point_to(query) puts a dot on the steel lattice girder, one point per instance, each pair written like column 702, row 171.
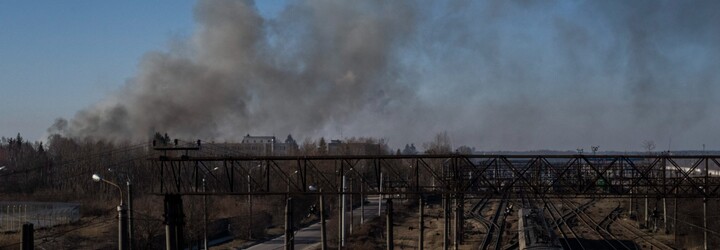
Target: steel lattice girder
column 683, row 176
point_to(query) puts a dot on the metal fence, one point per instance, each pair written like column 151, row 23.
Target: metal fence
column 41, row 214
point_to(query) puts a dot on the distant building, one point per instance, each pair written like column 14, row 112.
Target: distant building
column 289, row 147
column 338, row 147
column 259, row 146
column 268, row 145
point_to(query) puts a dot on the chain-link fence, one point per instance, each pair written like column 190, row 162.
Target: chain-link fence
column 41, row 214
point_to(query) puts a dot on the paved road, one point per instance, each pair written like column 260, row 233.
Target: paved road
column 310, row 235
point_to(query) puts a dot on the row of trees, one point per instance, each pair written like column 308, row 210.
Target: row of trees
column 60, row 170
column 64, row 162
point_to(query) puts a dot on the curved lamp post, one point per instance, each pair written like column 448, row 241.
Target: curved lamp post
column 205, row 210
column 129, row 204
column 290, row 177
column 122, row 215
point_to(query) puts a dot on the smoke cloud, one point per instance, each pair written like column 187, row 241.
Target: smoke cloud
column 510, row 75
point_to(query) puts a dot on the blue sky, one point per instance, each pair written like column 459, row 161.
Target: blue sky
column 499, row 75
column 61, row 56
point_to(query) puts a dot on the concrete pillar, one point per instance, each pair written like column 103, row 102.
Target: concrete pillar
column 647, row 220
column 343, row 208
column 446, row 224
column 389, row 224
column 421, row 224
column 174, row 222
column 289, row 236
column 122, row 228
column 323, row 230
column 131, row 231
column 362, row 204
column 675, row 227
column 205, row 215
column 28, row 239
column 705, row 232
column 667, row 231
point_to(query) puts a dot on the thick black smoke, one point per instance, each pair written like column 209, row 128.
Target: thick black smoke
column 494, row 74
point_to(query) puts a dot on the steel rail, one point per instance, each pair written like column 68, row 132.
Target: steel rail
column 587, row 219
column 488, row 236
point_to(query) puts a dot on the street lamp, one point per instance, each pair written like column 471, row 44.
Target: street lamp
column 343, row 208
column 290, row 180
column 249, row 187
column 129, row 203
column 205, row 213
column 122, row 215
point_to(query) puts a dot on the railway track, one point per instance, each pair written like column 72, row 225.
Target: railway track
column 501, row 230
column 603, row 228
column 493, row 226
column 609, row 229
column 560, row 219
column 642, row 236
column 608, row 238
column 612, row 217
column 476, row 211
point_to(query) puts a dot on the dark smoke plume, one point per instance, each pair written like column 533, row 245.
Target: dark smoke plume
column 494, row 74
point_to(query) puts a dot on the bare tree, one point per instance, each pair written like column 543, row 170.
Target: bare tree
column 466, row 150
column 648, row 145
column 439, row 145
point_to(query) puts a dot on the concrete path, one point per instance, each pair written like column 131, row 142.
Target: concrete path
column 310, row 236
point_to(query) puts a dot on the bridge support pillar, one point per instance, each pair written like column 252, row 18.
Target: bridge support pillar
column 421, row 224
column 705, row 231
column 667, row 231
column 646, row 218
column 675, row 226
column 459, row 219
column 174, row 222
column 446, row 224
column 28, row 240
column 289, row 236
column 389, row 226
column 323, row 230
column 323, row 235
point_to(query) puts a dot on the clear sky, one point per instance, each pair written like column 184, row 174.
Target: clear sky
column 58, row 57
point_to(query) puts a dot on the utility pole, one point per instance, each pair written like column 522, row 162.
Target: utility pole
column 675, row 227
column 323, row 237
column 289, row 237
column 362, row 204
column 131, row 231
column 665, row 216
column 339, row 218
column 421, row 226
column 250, row 220
column 352, row 212
column 389, row 226
column 380, row 196
column 705, row 235
column 647, row 220
column 705, row 191
column 459, row 220
column 446, row 225
column 205, row 215
column 343, row 209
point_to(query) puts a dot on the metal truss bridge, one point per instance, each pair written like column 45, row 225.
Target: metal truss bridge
column 681, row 176
column 490, row 179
